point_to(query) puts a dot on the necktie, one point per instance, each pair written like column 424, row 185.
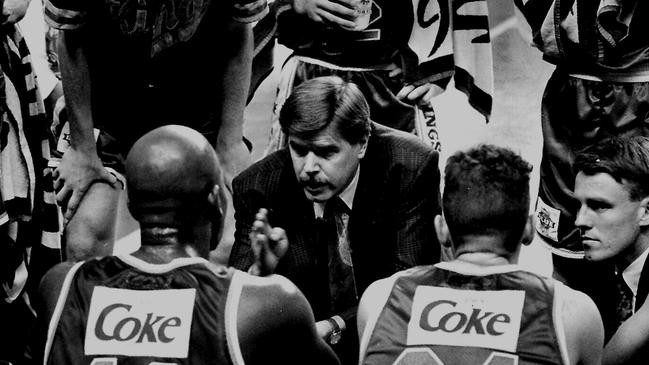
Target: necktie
column 342, row 285
column 625, row 302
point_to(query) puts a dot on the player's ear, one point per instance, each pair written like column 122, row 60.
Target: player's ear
column 528, row 231
column 218, row 203
column 447, row 250
column 441, row 229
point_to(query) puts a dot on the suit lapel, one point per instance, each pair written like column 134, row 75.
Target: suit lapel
column 369, row 197
column 299, row 212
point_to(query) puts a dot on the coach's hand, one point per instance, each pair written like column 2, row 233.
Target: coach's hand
column 324, row 329
column 74, row 176
column 268, row 245
column 339, row 12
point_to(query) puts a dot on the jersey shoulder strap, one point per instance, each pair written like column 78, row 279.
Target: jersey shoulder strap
column 58, row 310
column 231, row 316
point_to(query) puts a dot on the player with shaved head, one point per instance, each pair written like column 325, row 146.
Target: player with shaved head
column 165, row 303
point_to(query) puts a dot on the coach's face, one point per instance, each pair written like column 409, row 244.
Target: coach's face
column 609, row 220
column 325, row 164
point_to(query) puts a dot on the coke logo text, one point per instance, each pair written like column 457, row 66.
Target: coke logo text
column 437, row 316
column 139, row 322
column 128, row 328
column 475, row 318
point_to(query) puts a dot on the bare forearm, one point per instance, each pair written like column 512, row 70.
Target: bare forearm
column 630, row 341
column 80, row 166
column 77, row 89
column 235, row 82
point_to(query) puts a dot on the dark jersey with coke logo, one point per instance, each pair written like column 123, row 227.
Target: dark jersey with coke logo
column 434, row 315
column 122, row 310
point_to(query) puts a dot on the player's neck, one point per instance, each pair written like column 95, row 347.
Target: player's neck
column 483, row 258
column 484, row 250
column 628, row 256
column 161, row 245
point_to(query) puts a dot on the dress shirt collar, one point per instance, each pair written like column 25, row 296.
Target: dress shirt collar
column 632, row 273
column 346, row 196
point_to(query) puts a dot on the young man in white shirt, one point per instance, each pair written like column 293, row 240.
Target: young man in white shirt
column 611, row 185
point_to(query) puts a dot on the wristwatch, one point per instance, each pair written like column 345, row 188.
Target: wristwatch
column 338, row 326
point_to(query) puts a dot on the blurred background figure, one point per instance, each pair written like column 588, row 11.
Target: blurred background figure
column 29, row 223
column 401, row 55
column 126, row 63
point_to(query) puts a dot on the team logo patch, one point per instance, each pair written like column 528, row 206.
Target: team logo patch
column 139, row 323
column 547, row 220
column 486, row 319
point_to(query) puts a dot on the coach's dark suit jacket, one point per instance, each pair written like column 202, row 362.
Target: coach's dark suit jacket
column 390, row 226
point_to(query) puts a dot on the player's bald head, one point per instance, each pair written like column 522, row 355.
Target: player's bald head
column 170, row 168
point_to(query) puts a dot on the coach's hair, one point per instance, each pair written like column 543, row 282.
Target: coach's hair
column 318, row 102
column 486, row 192
column 625, row 158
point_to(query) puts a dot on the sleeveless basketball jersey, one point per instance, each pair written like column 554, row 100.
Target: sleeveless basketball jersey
column 122, row 310
column 434, row 315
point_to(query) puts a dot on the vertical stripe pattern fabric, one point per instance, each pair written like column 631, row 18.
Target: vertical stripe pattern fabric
column 30, row 241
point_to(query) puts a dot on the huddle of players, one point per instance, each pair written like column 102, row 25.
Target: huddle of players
column 166, row 304
column 414, row 316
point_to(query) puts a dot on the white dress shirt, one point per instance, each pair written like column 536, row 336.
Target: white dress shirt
column 632, row 274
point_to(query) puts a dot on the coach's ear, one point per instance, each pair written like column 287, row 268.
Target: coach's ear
column 644, row 212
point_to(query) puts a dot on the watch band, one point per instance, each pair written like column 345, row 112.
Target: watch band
column 337, row 331
column 340, row 322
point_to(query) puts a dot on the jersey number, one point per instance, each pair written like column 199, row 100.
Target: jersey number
column 113, row 361
column 426, row 356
